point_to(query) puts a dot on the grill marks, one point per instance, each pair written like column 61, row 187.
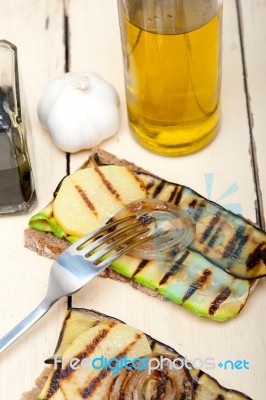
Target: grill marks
column 198, row 211
column 208, row 230
column 140, row 267
column 218, row 301
column 85, row 393
column 236, row 244
column 54, row 385
column 150, row 185
column 136, row 177
column 95, row 382
column 215, row 236
column 179, row 195
column 158, row 189
column 199, row 208
column 193, row 203
column 86, row 200
column 173, row 194
column 65, row 373
column 259, row 254
column 202, row 279
column 174, row 268
column 191, row 290
column 108, row 184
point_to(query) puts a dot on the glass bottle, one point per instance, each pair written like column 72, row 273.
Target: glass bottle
column 17, row 192
column 172, row 68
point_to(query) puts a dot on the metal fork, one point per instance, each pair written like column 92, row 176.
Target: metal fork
column 81, row 262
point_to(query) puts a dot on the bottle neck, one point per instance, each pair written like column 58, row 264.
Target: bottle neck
column 170, row 16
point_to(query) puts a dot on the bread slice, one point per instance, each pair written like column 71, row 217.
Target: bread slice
column 39, row 384
column 48, row 245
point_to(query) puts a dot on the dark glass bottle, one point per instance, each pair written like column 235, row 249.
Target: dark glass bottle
column 17, row 192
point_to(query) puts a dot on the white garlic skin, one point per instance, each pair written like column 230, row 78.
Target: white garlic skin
column 80, row 110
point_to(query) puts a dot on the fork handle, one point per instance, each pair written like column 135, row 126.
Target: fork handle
column 26, row 323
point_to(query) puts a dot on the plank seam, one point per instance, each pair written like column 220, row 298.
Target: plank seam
column 255, row 169
column 67, row 62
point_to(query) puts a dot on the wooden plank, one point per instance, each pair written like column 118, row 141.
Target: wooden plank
column 227, row 159
column 37, row 30
column 252, row 21
column 24, row 274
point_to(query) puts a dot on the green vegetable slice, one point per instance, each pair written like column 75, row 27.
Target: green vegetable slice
column 43, row 221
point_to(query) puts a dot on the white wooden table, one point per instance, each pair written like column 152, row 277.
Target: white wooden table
column 52, row 37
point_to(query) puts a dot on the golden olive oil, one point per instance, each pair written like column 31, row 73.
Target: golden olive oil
column 173, row 85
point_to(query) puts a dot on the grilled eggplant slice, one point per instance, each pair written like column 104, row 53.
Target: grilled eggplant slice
column 227, row 240
column 192, row 384
column 218, row 267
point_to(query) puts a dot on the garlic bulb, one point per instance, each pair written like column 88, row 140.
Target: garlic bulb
column 80, row 110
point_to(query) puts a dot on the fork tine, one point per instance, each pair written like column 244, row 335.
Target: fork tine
column 112, row 246
column 105, row 263
column 103, row 239
column 97, row 232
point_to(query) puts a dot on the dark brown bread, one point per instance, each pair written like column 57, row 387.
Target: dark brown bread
column 39, row 384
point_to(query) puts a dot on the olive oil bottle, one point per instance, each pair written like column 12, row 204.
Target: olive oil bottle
column 172, row 59
column 17, row 192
